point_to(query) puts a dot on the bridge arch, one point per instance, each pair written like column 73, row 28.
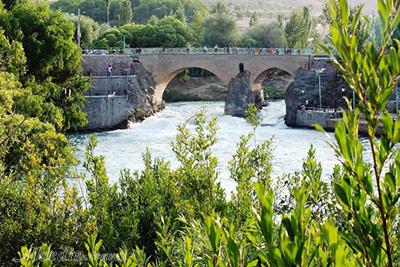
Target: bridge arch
column 164, row 81
column 262, row 75
column 165, row 67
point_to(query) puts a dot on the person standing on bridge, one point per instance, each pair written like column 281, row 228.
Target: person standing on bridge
column 216, row 49
column 188, row 48
column 109, row 70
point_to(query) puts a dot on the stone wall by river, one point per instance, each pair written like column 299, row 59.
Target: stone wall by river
column 126, row 95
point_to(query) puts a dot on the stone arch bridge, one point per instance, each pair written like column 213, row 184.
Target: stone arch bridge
column 164, row 67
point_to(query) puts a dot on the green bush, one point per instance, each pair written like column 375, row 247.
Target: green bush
column 272, row 92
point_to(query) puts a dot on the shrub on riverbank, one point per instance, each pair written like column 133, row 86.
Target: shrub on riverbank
column 273, row 92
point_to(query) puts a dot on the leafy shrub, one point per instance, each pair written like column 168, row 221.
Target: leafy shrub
column 272, row 92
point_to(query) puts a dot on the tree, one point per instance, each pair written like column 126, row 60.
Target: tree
column 197, row 25
column 298, row 29
column 12, row 56
column 50, row 51
column 254, row 19
column 91, row 8
column 126, row 13
column 89, row 29
column 172, row 32
column 168, row 31
column 113, row 37
column 133, row 34
column 162, row 8
column 363, row 28
column 9, row 4
column 220, row 8
column 108, row 11
column 265, row 35
column 52, row 59
column 220, row 27
column 180, row 14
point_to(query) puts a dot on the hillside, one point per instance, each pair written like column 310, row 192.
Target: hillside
column 269, row 9
column 284, row 6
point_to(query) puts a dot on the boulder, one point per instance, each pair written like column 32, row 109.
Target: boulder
column 141, row 93
column 240, row 95
column 304, row 90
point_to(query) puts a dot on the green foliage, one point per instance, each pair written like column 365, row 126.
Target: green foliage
column 265, row 35
column 219, row 28
column 121, row 11
column 12, row 56
column 126, row 13
column 273, row 92
column 368, row 192
column 168, row 31
column 50, row 51
column 48, row 63
column 363, row 29
column 89, row 29
column 253, row 115
column 254, row 19
column 299, row 28
column 35, row 166
column 94, row 9
column 197, row 23
column 162, row 8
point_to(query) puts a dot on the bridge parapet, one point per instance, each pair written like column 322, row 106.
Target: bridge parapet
column 202, row 51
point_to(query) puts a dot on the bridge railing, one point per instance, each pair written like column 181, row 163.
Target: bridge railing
column 201, row 51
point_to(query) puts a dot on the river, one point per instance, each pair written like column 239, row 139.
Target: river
column 124, row 148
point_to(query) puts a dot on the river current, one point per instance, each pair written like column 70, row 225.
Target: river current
column 124, row 148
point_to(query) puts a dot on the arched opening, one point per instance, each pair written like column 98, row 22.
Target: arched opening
column 193, row 84
column 273, row 82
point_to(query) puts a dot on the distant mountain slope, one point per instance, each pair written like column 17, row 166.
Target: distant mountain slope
column 284, row 6
column 270, row 9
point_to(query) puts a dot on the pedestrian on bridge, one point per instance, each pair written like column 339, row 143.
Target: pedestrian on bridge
column 188, row 48
column 109, row 70
column 216, row 49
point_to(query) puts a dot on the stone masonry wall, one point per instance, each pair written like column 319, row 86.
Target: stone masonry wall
column 103, row 85
column 106, row 112
column 308, row 118
column 126, row 95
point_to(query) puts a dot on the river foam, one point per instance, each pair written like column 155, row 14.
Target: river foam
column 124, row 148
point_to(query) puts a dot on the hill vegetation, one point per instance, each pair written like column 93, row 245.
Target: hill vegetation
column 173, row 23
